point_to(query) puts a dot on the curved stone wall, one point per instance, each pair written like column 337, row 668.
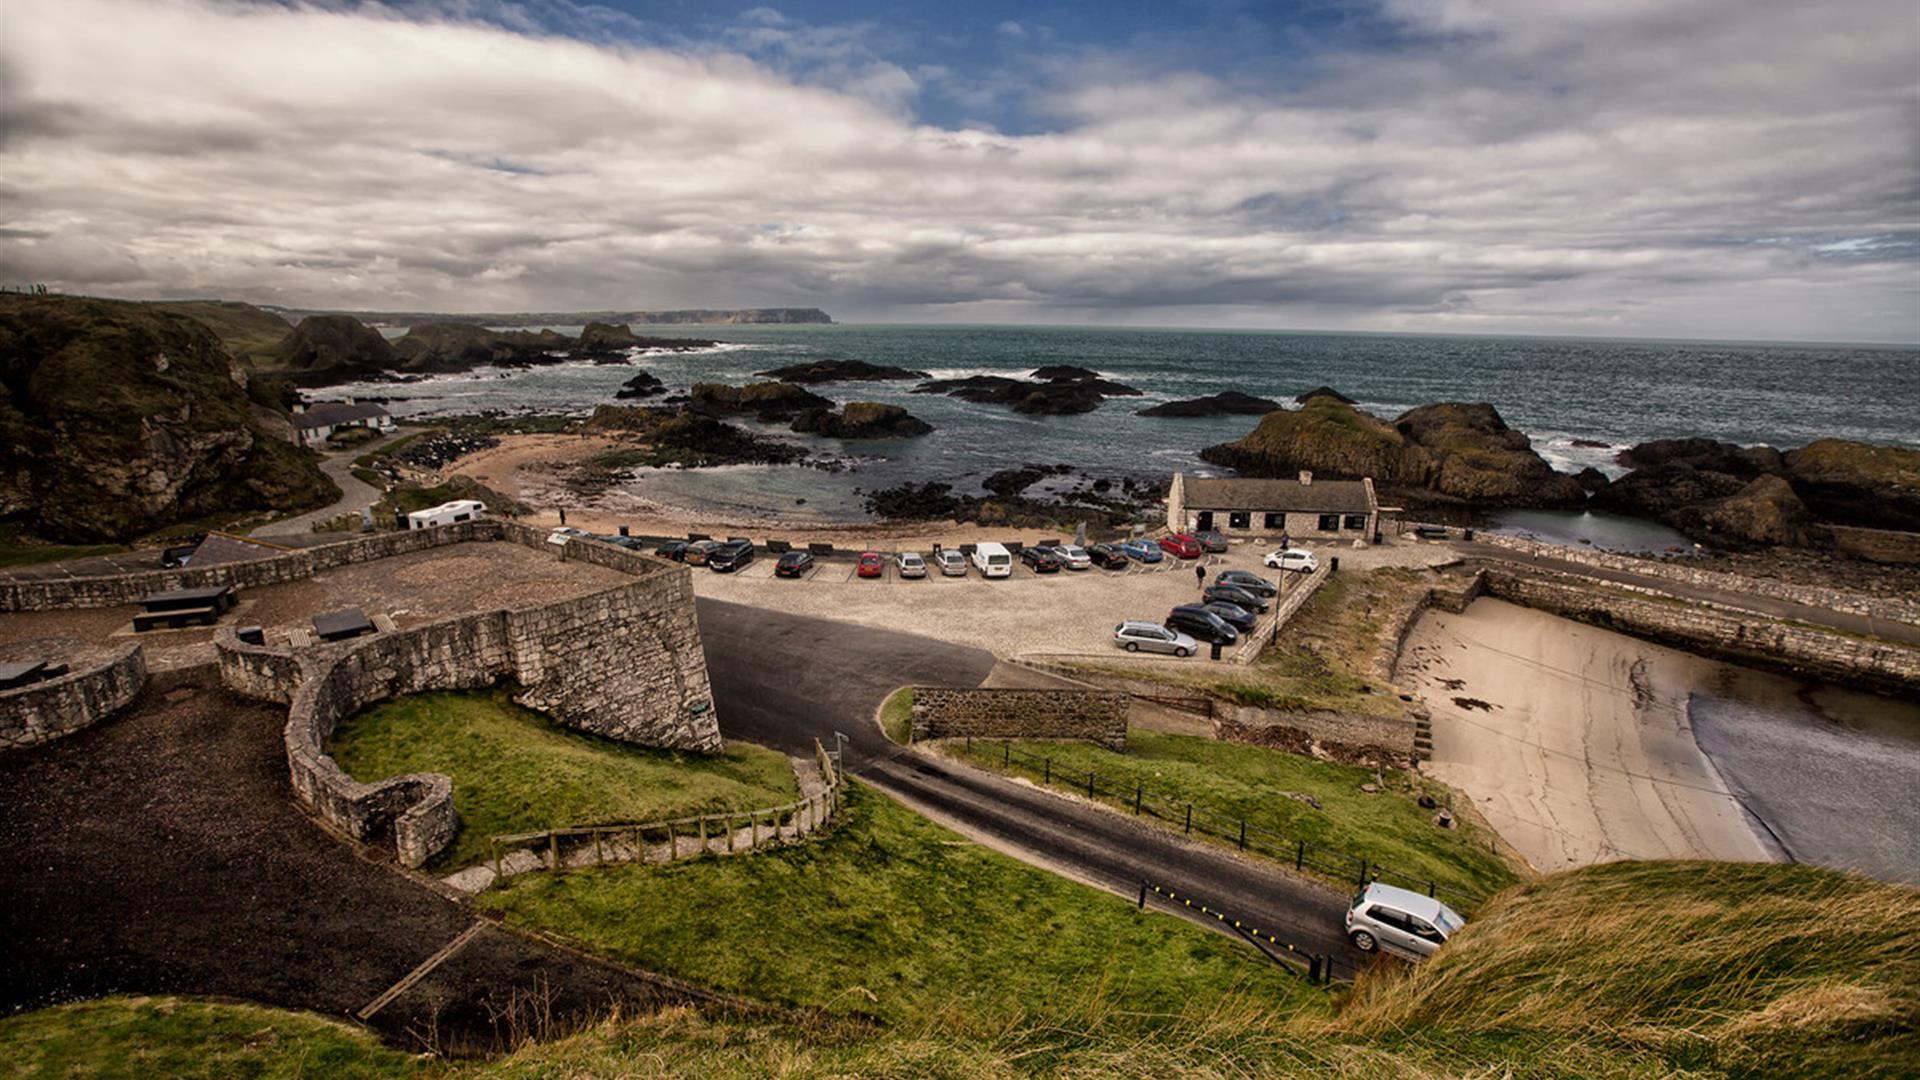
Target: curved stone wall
column 47, row 710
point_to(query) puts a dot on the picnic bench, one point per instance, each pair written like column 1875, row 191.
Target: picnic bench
column 176, row 608
column 820, row 550
column 27, row 672
column 341, row 625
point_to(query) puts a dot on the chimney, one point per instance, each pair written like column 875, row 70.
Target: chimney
column 299, row 407
column 349, row 399
column 1305, row 478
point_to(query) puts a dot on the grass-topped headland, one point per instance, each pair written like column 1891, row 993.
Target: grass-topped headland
column 515, row 770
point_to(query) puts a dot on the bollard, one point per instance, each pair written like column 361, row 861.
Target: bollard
column 1243, row 836
column 1143, row 896
column 1189, row 819
column 1313, row 969
column 1089, row 783
column 1137, row 789
column 1046, row 778
column 1334, row 565
column 1216, row 650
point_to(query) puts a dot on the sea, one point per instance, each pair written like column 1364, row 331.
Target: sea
column 1581, row 401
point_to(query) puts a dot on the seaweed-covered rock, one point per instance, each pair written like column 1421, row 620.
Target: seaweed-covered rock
column 863, row 420
column 1483, row 461
column 1228, row 403
column 681, row 437
column 1764, row 512
column 644, row 385
column 605, row 340
column 1326, row 392
column 768, row 401
column 1077, row 390
column 440, row 348
column 824, row 371
column 1854, row 483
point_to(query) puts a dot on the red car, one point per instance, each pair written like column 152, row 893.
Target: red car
column 1182, row 545
column 871, row 564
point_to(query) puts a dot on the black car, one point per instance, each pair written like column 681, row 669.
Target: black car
column 1248, row 581
column 1107, row 557
column 1211, row 541
column 730, row 556
column 1204, row 625
column 1041, row 560
column 1234, row 595
column 793, row 564
column 1234, row 615
column 672, row 549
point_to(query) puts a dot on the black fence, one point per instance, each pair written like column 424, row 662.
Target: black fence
column 1314, row 967
column 1194, row 819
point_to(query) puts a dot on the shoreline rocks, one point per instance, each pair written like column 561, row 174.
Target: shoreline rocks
column 766, row 401
column 1070, row 391
column 862, row 420
column 824, row 371
column 1227, row 403
column 644, row 385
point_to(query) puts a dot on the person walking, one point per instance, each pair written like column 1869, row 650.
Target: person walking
column 1200, row 577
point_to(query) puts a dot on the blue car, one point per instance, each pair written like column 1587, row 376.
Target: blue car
column 1144, row 550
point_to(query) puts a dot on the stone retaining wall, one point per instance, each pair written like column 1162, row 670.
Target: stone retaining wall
column 1098, row 716
column 1352, row 738
column 1877, row 545
column 44, row 711
column 1898, row 608
column 1267, row 629
column 1729, row 633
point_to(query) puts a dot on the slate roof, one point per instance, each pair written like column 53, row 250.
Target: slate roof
column 219, row 548
column 1319, row 497
column 335, row 413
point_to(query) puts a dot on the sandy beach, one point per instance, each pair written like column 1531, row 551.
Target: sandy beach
column 1574, row 742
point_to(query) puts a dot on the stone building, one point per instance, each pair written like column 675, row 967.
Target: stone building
column 313, row 423
column 1304, row 508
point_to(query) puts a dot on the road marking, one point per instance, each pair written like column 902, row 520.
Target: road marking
column 426, row 968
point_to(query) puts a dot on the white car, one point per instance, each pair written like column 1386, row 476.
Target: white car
column 910, row 564
column 1135, row 636
column 568, row 530
column 1293, row 559
column 1400, row 921
column 1072, row 556
column 950, row 562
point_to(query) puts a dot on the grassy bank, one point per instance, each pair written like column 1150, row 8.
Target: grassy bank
column 1624, row 970
column 892, row 916
column 896, row 715
column 1229, row 781
column 515, row 770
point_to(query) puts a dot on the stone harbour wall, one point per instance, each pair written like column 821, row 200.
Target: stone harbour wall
column 44, row 711
column 1098, row 716
column 1729, row 633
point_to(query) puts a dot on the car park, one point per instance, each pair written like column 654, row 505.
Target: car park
column 871, row 564
column 950, row 562
column 1249, row 581
column 1041, row 560
column 793, row 564
column 1071, row 556
column 992, row 560
column 1204, row 625
column 1145, row 551
column 1400, row 921
column 1211, row 541
column 1183, row 546
column 1234, row 615
column 730, row 556
column 1107, row 557
column 696, row 553
column 910, row 564
column 1152, row 637
column 1222, row 592
column 1292, row 559
column 672, row 549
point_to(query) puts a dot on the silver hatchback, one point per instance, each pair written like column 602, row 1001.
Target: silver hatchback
column 1152, row 637
column 1400, row 921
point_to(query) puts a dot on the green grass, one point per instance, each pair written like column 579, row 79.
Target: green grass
column 514, row 770
column 896, row 715
column 18, row 550
column 892, row 916
column 1241, row 782
column 372, row 457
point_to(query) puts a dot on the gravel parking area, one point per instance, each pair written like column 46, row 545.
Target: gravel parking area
column 1065, row 613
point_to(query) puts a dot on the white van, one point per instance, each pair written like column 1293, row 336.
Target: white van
column 992, row 560
column 447, row 514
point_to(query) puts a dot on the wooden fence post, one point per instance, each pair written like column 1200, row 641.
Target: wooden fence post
column 1137, row 789
column 703, row 834
column 1243, row 836
column 673, row 843
column 1090, row 775
column 729, row 834
column 1300, row 855
column 1046, row 778
column 1189, row 828
column 553, row 844
column 597, row 857
column 753, row 819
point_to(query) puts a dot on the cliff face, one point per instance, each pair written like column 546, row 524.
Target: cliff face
column 117, row 419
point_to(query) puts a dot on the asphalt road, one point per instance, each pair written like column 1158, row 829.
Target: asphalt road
column 784, row 680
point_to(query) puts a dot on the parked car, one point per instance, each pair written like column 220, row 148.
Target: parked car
column 793, row 564
column 1250, row 581
column 672, row 549
column 1400, row 920
column 871, row 564
column 1107, row 557
column 1294, row 559
column 631, row 543
column 1072, row 556
column 1211, row 540
column 1430, row 532
column 1234, row 615
column 1183, row 546
column 950, row 562
column 730, row 556
column 1152, row 637
column 1223, row 592
column 910, row 564
column 568, row 530
column 1195, row 619
column 1040, row 560
column 1145, row 550
column 992, row 560
column 698, row 552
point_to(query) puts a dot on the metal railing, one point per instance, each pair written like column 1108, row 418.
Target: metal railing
column 1314, row 967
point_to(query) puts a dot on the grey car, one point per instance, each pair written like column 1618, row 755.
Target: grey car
column 1400, row 921
column 1136, row 636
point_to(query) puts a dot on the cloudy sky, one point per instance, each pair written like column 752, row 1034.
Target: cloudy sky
column 1682, row 168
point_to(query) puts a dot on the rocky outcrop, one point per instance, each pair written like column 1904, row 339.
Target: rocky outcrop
column 606, row 340
column 1763, row 513
column 1851, row 483
column 1229, row 403
column 327, row 349
column 433, row 348
column 644, row 385
column 243, row 328
column 705, row 316
column 683, row 438
column 1070, row 390
column 117, row 419
column 1450, row 453
column 825, row 371
column 862, row 420
column 1326, row 392
column 768, row 401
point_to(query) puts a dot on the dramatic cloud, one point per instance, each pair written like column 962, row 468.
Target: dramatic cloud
column 1737, row 169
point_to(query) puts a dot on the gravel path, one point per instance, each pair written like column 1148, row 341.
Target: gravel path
column 354, row 495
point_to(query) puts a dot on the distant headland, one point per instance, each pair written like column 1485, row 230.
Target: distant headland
column 698, row 316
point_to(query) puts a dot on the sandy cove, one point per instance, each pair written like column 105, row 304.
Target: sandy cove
column 525, row 467
column 1574, row 742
